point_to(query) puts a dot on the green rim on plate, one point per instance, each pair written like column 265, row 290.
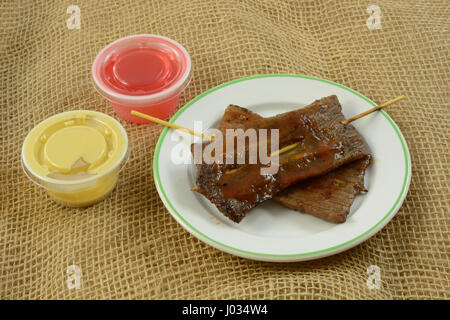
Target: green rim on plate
column 323, row 251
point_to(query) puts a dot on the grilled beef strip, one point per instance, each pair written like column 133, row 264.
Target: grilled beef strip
column 323, row 145
column 329, row 196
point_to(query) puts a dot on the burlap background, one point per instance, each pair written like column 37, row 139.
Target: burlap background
column 129, row 246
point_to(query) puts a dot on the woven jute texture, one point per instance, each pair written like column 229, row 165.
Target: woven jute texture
column 128, row 246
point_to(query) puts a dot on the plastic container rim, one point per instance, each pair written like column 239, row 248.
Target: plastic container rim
column 159, row 96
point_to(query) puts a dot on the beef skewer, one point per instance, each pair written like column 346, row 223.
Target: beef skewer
column 329, row 196
column 236, row 203
column 249, row 116
column 344, row 122
column 325, row 144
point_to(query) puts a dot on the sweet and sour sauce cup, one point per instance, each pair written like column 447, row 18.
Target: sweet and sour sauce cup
column 145, row 72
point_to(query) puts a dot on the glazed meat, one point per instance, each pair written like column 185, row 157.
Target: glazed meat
column 322, row 144
column 329, row 196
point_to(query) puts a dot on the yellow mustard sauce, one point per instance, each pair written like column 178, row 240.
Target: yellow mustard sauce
column 76, row 156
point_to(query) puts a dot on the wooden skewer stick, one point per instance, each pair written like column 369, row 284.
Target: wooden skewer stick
column 171, row 125
column 284, row 149
column 381, row 106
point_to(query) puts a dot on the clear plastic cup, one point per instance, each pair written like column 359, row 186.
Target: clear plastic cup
column 145, row 72
column 76, row 156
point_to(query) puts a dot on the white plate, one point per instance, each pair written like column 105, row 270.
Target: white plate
column 271, row 232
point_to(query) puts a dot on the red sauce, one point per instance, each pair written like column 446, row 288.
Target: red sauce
column 141, row 70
